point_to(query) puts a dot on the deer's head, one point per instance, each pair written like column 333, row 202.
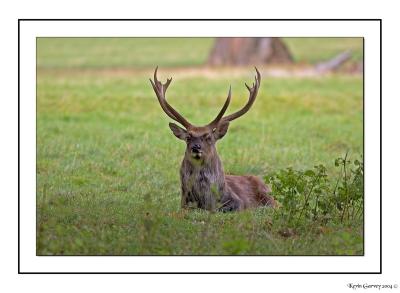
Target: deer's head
column 200, row 140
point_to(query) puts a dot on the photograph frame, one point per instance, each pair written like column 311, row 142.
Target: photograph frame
column 158, row 20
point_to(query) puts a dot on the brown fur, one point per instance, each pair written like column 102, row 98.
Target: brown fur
column 204, row 184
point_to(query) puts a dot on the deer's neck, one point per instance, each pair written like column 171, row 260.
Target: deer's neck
column 203, row 182
column 211, row 168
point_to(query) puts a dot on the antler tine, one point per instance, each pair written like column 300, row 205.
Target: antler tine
column 252, row 97
column 221, row 113
column 160, row 90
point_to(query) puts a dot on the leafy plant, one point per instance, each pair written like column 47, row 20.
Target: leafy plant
column 310, row 195
column 349, row 188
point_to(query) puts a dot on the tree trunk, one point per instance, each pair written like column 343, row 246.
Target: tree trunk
column 243, row 51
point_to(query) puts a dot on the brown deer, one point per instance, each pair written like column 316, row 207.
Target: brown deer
column 204, row 184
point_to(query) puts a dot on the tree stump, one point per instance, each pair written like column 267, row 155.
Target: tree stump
column 244, row 51
column 335, row 63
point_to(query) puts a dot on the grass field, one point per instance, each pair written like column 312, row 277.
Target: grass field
column 108, row 165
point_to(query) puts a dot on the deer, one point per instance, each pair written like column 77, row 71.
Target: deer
column 204, row 184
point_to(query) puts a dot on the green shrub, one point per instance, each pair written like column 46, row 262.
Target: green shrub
column 311, row 195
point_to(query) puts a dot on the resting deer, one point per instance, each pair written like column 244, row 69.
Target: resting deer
column 203, row 181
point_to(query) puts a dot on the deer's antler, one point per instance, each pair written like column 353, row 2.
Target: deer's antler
column 252, row 97
column 221, row 113
column 160, row 90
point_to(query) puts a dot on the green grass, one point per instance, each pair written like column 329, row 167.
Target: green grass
column 171, row 52
column 121, row 52
column 314, row 50
column 108, row 165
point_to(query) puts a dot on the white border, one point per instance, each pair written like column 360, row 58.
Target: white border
column 29, row 30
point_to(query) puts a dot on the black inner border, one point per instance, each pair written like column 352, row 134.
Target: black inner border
column 380, row 24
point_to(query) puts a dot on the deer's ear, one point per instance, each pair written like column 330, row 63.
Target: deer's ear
column 178, row 132
column 221, row 130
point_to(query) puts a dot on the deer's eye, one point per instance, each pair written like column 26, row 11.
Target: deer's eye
column 207, row 137
column 188, row 138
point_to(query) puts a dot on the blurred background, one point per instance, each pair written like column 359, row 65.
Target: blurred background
column 196, row 52
column 108, row 164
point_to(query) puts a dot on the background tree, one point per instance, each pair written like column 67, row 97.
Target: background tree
column 242, row 51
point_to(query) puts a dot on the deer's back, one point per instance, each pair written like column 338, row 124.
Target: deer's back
column 249, row 190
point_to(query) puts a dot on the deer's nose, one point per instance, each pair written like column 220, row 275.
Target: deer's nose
column 196, row 148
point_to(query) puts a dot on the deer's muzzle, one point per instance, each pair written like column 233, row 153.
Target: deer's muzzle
column 196, row 148
column 196, row 151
